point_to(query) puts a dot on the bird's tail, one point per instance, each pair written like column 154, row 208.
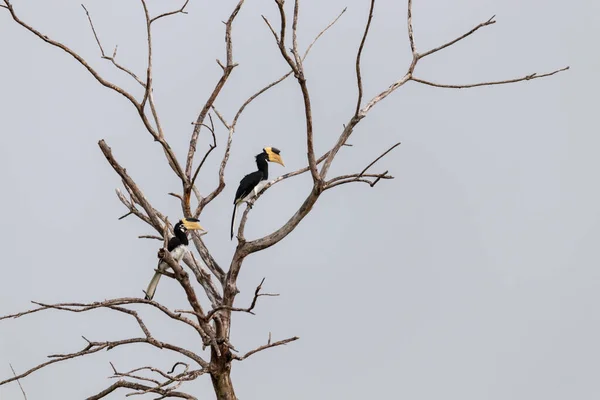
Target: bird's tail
column 233, row 219
column 152, row 286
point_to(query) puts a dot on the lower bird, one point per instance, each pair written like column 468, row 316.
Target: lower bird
column 177, row 246
column 252, row 183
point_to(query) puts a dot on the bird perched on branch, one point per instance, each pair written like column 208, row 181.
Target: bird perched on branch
column 177, row 246
column 252, row 183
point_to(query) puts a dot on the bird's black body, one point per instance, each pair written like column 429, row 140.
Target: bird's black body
column 250, row 182
column 177, row 246
column 180, row 239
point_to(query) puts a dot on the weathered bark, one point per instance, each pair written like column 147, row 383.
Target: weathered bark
column 223, row 385
column 221, row 374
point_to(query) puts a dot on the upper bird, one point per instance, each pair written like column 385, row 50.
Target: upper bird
column 177, row 246
column 252, row 183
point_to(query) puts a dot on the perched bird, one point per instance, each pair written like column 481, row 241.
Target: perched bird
column 252, row 183
column 177, row 246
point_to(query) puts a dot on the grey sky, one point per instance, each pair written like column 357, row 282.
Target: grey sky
column 473, row 275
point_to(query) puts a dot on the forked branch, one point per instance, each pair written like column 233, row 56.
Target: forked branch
column 265, row 347
column 140, row 388
column 257, row 294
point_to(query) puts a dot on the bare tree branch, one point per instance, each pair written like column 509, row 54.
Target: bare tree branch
column 210, row 263
column 213, row 146
column 490, row 83
column 450, row 43
column 298, row 69
column 360, row 49
column 411, row 38
column 168, row 386
column 139, row 107
column 149, row 67
column 94, row 347
column 257, row 294
column 73, row 54
column 112, row 58
column 179, row 11
column 340, row 180
column 207, row 106
column 111, row 304
column 18, row 381
column 150, row 237
column 139, row 387
column 266, row 346
column 131, row 185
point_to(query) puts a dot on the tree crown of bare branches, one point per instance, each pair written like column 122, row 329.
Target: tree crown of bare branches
column 212, row 322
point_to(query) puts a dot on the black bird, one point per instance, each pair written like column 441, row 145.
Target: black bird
column 252, row 183
column 177, row 246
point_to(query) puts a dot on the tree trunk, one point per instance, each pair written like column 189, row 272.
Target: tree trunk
column 222, row 384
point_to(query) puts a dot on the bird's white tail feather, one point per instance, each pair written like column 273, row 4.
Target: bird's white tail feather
column 152, row 286
column 233, row 219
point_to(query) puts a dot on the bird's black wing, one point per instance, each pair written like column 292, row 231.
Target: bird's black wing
column 173, row 242
column 247, row 184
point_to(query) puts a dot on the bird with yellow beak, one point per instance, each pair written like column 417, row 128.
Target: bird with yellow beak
column 177, row 246
column 252, row 183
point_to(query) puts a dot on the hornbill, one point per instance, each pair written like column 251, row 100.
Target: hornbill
column 252, row 183
column 177, row 246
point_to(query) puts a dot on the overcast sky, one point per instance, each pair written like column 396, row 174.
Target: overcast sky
column 473, row 275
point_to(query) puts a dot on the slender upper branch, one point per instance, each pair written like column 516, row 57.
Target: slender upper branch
column 131, row 185
column 360, row 49
column 490, row 83
column 72, row 53
column 296, row 66
column 411, row 37
column 266, row 346
column 450, row 43
column 249, row 309
column 113, row 57
column 178, row 11
column 18, row 382
column 215, row 93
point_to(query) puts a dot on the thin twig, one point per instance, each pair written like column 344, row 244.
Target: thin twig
column 491, row 83
column 267, row 346
column 215, row 93
column 378, row 158
column 257, row 294
column 210, row 149
column 411, row 38
column 18, row 381
column 358, row 55
column 178, row 11
column 450, row 43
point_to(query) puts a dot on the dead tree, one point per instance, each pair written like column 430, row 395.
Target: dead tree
column 210, row 317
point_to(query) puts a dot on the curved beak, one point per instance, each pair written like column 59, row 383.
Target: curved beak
column 276, row 158
column 192, row 224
